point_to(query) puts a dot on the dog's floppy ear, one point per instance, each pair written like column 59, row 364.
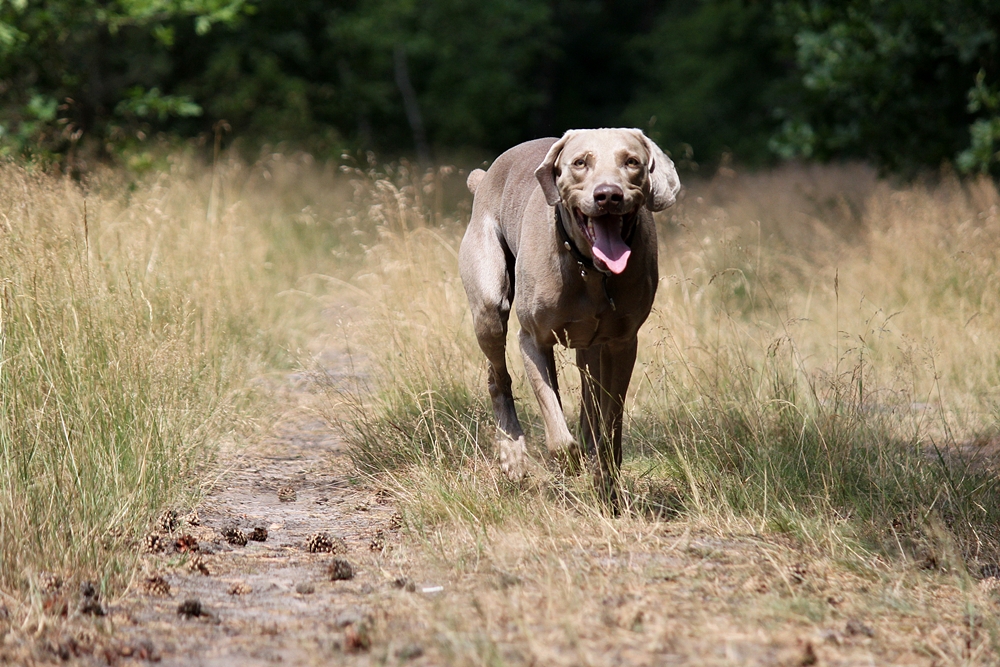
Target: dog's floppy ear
column 663, row 181
column 546, row 171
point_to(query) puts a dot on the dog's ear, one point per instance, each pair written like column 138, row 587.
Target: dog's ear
column 546, row 171
column 664, row 183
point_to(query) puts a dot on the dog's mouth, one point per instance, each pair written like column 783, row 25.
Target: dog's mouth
column 605, row 234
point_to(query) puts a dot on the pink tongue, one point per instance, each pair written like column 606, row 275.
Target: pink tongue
column 609, row 246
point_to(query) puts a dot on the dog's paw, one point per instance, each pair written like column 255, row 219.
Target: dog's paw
column 513, row 458
column 568, row 457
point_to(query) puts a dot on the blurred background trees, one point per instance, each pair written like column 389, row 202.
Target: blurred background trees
column 906, row 84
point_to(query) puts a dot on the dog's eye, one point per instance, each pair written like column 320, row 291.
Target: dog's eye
column 579, row 162
column 631, row 162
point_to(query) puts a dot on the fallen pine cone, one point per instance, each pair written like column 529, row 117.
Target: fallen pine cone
column 240, row 588
column 286, row 494
column 340, row 570
column 191, row 608
column 197, row 564
column 49, row 583
column 143, row 650
column 357, row 637
column 319, row 543
column 186, row 543
column 153, row 543
column 235, row 536
column 167, row 522
column 258, row 534
column 156, row 585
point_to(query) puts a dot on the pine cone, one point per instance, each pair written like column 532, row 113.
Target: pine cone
column 153, row 543
column 235, row 536
column 156, row 585
column 167, row 522
column 319, row 543
column 340, row 570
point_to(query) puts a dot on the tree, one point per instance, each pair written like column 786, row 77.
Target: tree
column 891, row 80
column 89, row 69
column 709, row 76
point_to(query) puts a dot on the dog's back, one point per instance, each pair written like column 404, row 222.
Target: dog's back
column 502, row 193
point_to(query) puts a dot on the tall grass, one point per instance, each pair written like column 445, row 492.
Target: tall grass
column 848, row 378
column 132, row 315
column 819, row 360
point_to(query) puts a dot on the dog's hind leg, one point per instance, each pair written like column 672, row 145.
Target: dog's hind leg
column 487, row 269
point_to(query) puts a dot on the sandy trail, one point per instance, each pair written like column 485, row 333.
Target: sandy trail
column 273, row 601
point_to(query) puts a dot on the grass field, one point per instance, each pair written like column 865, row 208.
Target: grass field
column 133, row 317
column 815, row 403
column 810, row 434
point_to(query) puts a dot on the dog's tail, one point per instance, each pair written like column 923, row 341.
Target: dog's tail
column 475, row 178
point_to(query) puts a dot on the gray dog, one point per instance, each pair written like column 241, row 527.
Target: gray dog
column 569, row 223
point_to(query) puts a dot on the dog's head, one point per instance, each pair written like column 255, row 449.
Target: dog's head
column 603, row 178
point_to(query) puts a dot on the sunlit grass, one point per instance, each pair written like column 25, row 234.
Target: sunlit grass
column 132, row 317
column 810, row 437
column 818, row 361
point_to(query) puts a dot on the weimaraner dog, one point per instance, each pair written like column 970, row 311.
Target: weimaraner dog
column 566, row 227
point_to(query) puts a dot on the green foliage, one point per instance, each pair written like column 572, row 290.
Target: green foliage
column 887, row 81
column 906, row 85
column 984, row 132
column 141, row 103
column 707, row 75
column 82, row 69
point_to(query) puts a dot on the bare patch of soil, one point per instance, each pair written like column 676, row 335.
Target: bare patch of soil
column 271, row 601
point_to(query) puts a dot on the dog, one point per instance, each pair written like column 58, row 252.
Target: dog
column 562, row 230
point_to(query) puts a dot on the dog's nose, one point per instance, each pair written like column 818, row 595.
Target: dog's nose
column 608, row 194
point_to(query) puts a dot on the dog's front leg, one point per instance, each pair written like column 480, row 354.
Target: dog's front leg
column 540, row 366
column 588, row 360
column 617, row 362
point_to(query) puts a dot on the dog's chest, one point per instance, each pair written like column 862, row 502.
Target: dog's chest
column 559, row 299
column 592, row 315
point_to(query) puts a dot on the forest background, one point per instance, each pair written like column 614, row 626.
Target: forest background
column 908, row 85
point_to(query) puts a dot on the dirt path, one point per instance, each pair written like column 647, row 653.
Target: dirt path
column 272, row 601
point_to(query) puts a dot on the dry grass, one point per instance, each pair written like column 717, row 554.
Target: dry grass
column 811, row 436
column 133, row 316
column 529, row 579
column 810, row 439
